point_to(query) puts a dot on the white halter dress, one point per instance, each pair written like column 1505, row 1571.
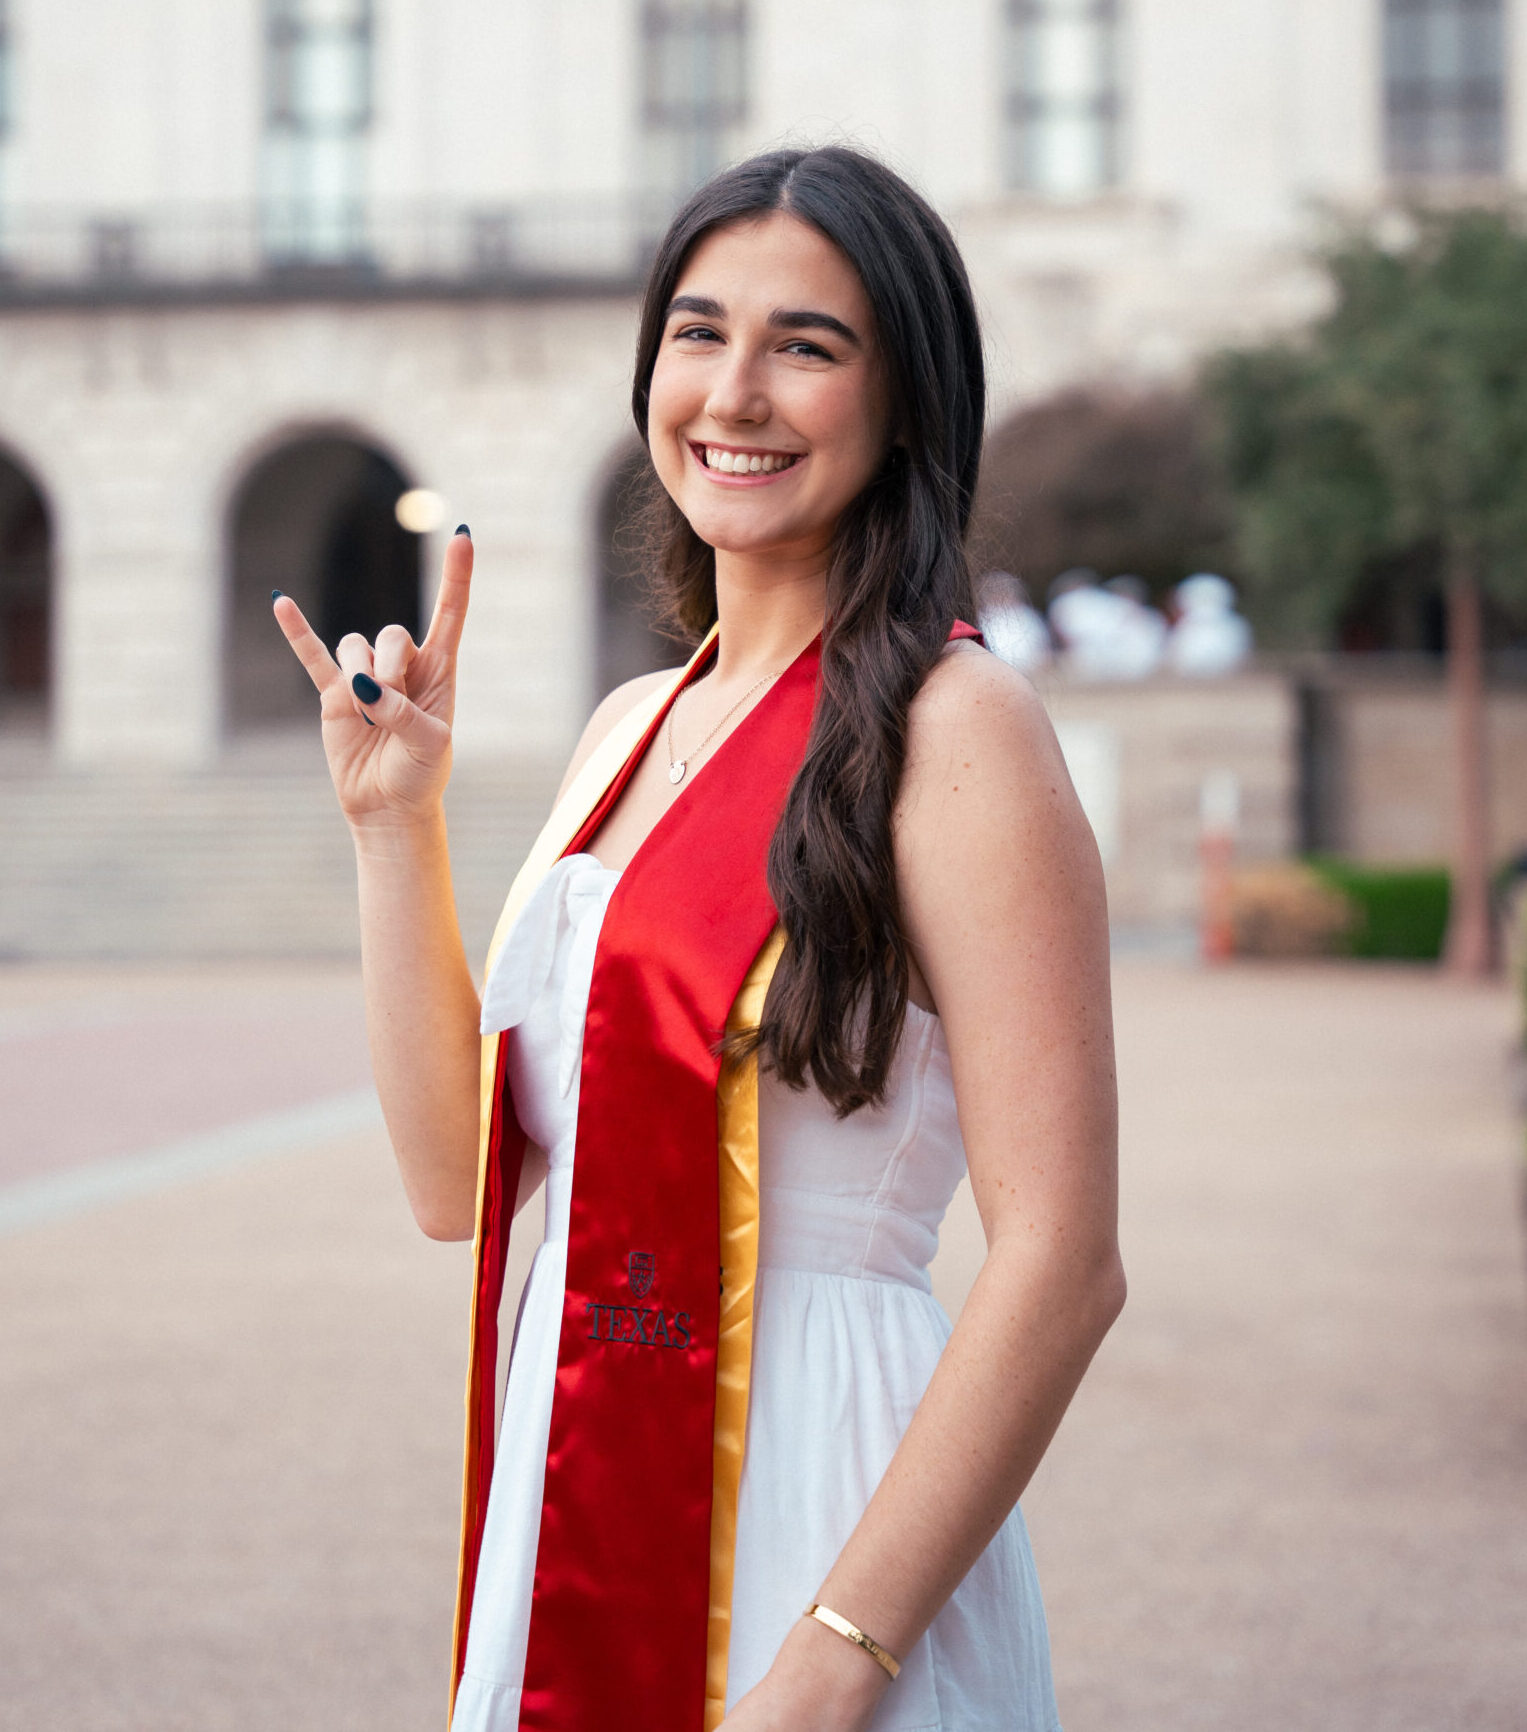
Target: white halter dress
column 846, row 1334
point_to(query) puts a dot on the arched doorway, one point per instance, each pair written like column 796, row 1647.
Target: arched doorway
column 317, row 519
column 629, row 642
column 26, row 549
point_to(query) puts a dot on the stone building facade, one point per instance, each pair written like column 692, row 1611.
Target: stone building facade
column 146, row 425
column 266, row 266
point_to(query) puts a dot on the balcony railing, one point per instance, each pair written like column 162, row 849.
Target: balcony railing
column 341, row 252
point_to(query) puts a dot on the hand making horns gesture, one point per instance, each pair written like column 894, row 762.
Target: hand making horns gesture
column 387, row 711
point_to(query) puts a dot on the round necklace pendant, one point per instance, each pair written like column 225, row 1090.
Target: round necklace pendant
column 676, row 771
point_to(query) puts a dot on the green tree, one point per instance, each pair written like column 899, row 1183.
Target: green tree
column 1397, row 424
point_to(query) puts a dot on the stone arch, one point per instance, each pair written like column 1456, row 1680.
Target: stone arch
column 27, row 614
column 312, row 513
column 628, row 642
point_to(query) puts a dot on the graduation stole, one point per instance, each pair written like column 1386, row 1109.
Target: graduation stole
column 631, row 1614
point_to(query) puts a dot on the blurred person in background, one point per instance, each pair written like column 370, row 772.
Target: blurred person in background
column 828, row 888
column 1208, row 638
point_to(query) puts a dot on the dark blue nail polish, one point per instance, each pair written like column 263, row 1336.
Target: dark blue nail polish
column 461, row 529
column 276, row 594
column 368, row 721
column 365, row 688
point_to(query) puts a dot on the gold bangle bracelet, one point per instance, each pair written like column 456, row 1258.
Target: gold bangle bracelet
column 871, row 1647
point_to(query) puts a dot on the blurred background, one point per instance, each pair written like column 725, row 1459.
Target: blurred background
column 290, row 287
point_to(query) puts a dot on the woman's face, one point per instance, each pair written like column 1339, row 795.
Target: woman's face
column 768, row 410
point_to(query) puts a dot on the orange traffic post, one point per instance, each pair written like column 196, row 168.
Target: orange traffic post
column 1218, row 815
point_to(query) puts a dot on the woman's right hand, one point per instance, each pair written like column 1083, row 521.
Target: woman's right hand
column 390, row 758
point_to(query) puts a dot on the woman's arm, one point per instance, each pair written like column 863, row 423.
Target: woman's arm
column 421, row 1017
column 390, row 757
column 388, row 743
column 1002, row 894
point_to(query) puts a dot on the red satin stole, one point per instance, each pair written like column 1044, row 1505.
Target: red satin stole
column 620, row 1613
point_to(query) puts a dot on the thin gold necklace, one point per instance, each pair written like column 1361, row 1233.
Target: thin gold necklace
column 677, row 766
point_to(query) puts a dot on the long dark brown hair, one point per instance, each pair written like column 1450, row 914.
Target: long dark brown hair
column 897, row 581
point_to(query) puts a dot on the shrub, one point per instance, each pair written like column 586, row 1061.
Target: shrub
column 1285, row 908
column 1400, row 912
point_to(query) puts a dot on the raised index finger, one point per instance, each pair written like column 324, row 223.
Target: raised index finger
column 322, row 669
column 451, row 603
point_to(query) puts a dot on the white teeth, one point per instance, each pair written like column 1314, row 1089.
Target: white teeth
column 744, row 463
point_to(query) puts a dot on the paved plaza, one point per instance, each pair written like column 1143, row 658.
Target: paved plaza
column 1292, row 1494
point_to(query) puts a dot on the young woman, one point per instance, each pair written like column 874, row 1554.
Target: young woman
column 816, row 924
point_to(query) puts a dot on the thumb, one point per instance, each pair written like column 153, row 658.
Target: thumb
column 387, row 708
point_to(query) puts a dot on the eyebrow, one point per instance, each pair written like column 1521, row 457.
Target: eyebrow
column 781, row 319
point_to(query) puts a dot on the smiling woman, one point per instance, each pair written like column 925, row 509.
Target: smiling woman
column 742, row 398
column 816, row 925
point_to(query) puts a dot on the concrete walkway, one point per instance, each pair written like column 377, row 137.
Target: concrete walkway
column 1292, row 1493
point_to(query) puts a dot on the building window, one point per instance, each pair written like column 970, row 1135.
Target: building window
column 1061, row 96
column 694, row 90
column 1444, row 87
column 5, row 70
column 7, row 108
column 317, row 118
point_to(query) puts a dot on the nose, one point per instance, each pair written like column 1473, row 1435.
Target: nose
column 737, row 393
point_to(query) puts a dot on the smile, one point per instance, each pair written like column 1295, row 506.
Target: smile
column 741, row 465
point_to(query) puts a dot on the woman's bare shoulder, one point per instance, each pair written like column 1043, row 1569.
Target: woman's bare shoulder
column 985, row 784
column 974, row 707
column 611, row 710
column 1000, row 882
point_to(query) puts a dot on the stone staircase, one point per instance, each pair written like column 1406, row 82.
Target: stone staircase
column 250, row 858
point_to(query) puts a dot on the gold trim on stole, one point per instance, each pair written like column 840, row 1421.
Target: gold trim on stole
column 737, row 1141
column 583, row 794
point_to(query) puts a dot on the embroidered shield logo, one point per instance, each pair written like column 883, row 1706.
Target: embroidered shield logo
column 641, row 1266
